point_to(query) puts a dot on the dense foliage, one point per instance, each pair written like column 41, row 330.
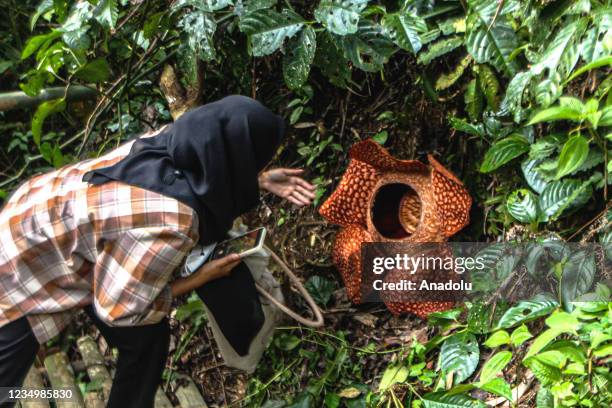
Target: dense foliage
column 523, row 89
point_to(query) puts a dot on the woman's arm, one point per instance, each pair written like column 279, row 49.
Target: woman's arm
column 208, row 272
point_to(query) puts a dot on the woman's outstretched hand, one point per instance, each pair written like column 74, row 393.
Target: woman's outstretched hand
column 287, row 184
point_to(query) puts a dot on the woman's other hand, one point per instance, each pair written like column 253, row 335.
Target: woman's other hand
column 210, row 271
column 287, row 184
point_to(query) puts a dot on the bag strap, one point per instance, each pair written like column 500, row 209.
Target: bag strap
column 318, row 320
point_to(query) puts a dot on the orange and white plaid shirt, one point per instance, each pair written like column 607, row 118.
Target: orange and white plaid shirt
column 65, row 244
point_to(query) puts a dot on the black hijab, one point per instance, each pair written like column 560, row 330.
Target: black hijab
column 208, row 159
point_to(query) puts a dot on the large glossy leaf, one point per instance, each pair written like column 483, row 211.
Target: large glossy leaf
column 493, row 44
column 268, row 29
column 489, row 85
column 578, row 276
column 523, row 206
column 556, row 113
column 494, row 366
column 561, row 195
column 36, row 42
column 598, row 40
column 513, row 100
column 573, row 154
column 42, row 112
column 330, row 59
column 533, row 176
column 446, row 80
column 198, row 29
column 242, row 7
column 403, row 29
column 561, row 54
column 527, row 310
column 106, row 12
column 546, row 374
column 474, row 100
column 489, row 10
column 369, row 48
column 499, row 387
column 439, row 48
column 298, row 58
column 340, row 16
column 446, row 400
column 76, row 26
column 97, row 70
column 601, row 62
column 548, row 90
column 503, row 151
column 459, row 354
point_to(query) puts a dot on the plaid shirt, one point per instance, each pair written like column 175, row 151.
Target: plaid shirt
column 65, row 244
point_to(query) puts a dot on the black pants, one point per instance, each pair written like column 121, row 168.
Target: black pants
column 142, row 356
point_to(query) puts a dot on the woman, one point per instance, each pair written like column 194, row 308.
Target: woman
column 109, row 235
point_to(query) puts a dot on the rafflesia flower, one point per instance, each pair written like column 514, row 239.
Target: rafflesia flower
column 383, row 199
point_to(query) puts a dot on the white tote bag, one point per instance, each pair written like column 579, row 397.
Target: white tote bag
column 272, row 303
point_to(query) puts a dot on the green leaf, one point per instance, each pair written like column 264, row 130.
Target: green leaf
column 474, row 100
column 578, row 276
column 36, row 42
column 330, row 59
column 503, row 151
column 573, row 154
column 527, row 310
column 596, row 42
column 494, row 366
column 106, row 13
column 546, row 374
column 340, row 16
column 601, row 62
column 556, row 113
column 533, row 176
column 499, row 338
column 42, row 112
column 489, row 85
column 606, row 117
column 603, row 351
column 369, row 48
column 320, row 288
column 499, row 387
column 439, row 48
column 464, row 126
column 513, row 100
column 561, row 195
column 520, row 335
column 394, row 374
column 545, row 398
column 523, row 206
column 381, row 137
column 548, row 90
column 298, row 58
column 287, row 342
column 553, row 358
column 447, row 80
column 246, row 6
column 493, row 44
column 97, row 70
column 542, row 341
column 561, row 54
column 198, row 29
column 403, row 29
column 43, row 7
column 459, row 354
column 268, row 29
column 445, row 400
